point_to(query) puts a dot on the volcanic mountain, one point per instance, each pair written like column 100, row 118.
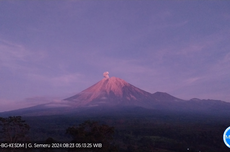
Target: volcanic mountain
column 115, row 93
column 111, row 91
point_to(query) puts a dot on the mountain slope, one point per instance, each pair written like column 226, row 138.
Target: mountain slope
column 162, row 96
column 110, row 91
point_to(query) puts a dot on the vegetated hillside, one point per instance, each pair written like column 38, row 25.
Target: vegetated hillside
column 143, row 130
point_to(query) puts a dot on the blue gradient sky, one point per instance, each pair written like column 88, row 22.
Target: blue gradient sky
column 53, row 49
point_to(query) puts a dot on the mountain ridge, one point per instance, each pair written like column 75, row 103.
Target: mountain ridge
column 116, row 93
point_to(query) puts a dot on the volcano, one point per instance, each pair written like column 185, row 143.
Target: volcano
column 117, row 92
column 111, row 91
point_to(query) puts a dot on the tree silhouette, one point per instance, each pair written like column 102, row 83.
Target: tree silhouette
column 13, row 129
column 92, row 132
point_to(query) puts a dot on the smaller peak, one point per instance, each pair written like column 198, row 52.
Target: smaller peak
column 195, row 99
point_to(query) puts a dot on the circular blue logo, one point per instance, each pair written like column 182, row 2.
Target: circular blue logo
column 226, row 137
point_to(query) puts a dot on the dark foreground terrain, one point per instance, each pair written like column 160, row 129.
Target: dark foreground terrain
column 138, row 130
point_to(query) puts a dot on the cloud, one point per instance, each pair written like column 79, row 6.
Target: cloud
column 62, row 80
column 220, row 68
column 226, row 59
column 7, row 105
column 192, row 80
column 11, row 53
column 32, row 101
column 16, row 57
column 4, row 105
column 226, row 16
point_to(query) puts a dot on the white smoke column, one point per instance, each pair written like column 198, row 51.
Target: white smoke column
column 106, row 74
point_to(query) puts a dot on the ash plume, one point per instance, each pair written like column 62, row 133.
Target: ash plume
column 106, row 74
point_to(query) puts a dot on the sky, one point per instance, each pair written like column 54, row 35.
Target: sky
column 51, row 50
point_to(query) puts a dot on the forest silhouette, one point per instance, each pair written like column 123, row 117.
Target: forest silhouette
column 161, row 132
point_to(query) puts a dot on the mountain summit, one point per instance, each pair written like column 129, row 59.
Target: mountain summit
column 110, row 91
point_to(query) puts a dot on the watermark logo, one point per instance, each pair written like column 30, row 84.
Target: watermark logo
column 226, row 137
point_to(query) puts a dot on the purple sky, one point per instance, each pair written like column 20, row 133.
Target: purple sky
column 54, row 49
